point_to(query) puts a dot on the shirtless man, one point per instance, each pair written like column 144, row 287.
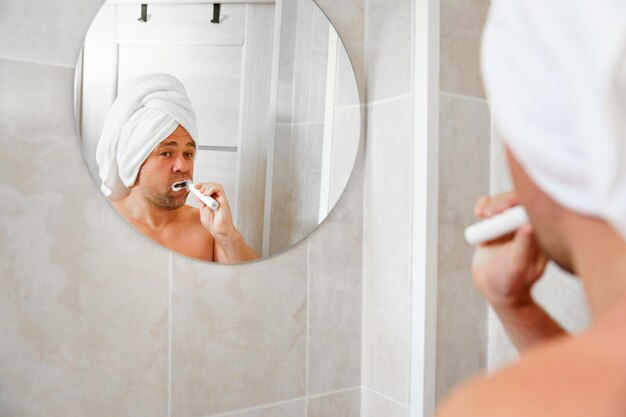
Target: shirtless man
column 148, row 143
column 558, row 374
column 161, row 214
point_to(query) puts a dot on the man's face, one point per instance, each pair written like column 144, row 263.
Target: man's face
column 171, row 161
column 544, row 213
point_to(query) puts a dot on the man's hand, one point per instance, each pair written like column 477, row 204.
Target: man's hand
column 218, row 223
column 504, row 271
column 230, row 245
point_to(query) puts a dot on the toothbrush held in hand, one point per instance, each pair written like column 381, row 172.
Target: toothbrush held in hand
column 210, row 202
column 497, row 226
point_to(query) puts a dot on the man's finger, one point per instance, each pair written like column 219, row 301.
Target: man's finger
column 503, row 202
column 481, row 204
column 215, row 189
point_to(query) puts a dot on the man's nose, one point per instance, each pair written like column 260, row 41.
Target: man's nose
column 181, row 164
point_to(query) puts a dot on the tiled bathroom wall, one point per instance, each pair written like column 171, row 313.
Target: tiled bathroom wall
column 464, row 152
column 300, row 123
column 97, row 320
column 464, row 145
column 388, row 209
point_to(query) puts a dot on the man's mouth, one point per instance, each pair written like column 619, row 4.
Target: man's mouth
column 180, row 185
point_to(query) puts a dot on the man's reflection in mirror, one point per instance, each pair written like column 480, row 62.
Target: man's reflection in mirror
column 148, row 144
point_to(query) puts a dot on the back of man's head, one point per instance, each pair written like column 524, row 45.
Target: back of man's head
column 555, row 75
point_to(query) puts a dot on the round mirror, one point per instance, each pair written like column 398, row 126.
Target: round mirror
column 225, row 132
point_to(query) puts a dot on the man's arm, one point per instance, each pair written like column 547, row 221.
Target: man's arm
column 505, row 270
column 527, row 324
column 232, row 248
column 229, row 245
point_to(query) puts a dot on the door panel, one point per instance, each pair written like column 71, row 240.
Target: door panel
column 212, row 78
column 181, row 24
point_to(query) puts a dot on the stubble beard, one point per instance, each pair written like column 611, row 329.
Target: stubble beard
column 166, row 201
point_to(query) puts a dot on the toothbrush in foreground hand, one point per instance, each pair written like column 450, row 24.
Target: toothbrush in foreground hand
column 210, row 202
column 497, row 226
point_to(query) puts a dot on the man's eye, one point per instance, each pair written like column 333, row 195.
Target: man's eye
column 165, row 154
column 189, row 154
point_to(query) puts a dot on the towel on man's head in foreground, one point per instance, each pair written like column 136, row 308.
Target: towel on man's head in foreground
column 555, row 75
column 141, row 117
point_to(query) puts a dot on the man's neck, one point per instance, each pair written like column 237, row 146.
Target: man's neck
column 136, row 208
column 599, row 256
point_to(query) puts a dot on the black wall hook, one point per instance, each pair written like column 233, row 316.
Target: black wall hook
column 144, row 13
column 216, row 13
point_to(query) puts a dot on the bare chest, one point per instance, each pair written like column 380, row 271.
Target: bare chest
column 188, row 239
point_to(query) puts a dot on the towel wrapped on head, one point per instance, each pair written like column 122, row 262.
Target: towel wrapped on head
column 555, row 75
column 141, row 117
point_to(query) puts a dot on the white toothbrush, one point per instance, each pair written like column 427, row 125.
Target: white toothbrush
column 210, row 202
column 497, row 226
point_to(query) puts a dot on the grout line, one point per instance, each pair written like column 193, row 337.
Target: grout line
column 339, row 391
column 233, row 413
column 386, row 397
column 300, row 123
column 348, row 107
column 390, row 99
column 463, row 97
column 308, row 327
column 36, row 62
column 169, row 336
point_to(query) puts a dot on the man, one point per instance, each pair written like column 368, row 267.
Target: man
column 556, row 78
column 148, row 144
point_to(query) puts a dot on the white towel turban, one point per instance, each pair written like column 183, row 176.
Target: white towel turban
column 555, row 75
column 142, row 116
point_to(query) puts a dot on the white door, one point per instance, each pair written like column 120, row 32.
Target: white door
column 226, row 70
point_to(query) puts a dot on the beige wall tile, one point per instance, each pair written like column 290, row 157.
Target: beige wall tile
column 340, row 404
column 311, row 61
column 334, row 357
column 347, row 89
column 311, row 187
column 295, row 408
column 500, row 180
column 389, row 49
column 238, row 333
column 335, row 290
column 35, row 99
column 376, row 405
column 348, row 18
column 319, row 66
column 462, row 24
column 288, row 187
column 386, row 251
column 45, row 31
column 84, row 323
column 464, row 148
column 289, row 26
column 348, row 141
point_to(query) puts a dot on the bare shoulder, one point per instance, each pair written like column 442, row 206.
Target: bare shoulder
column 581, row 375
column 190, row 215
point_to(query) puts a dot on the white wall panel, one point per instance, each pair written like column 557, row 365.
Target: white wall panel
column 212, row 82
